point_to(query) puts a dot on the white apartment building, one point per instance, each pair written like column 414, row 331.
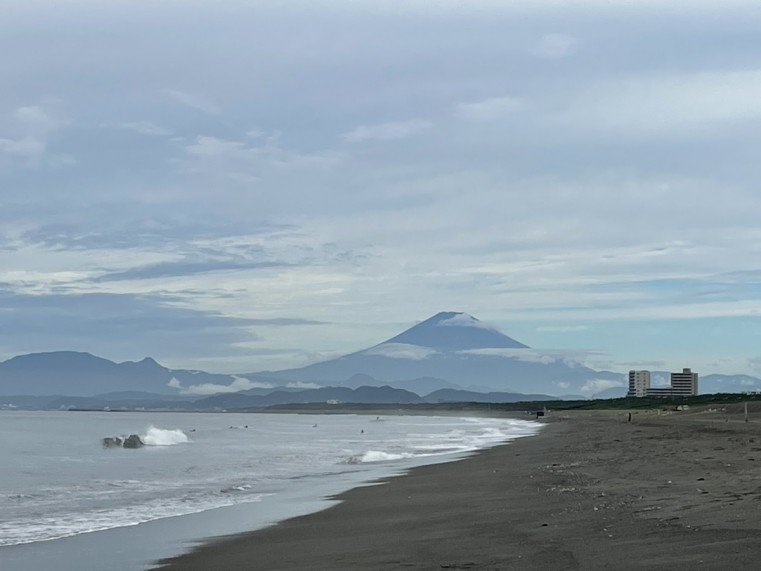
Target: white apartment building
column 684, row 384
column 639, row 383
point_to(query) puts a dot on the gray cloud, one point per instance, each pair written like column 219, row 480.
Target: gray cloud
column 185, row 268
column 34, row 126
column 139, row 127
column 155, row 232
column 284, row 322
column 386, row 131
column 554, row 46
column 115, row 325
column 192, row 100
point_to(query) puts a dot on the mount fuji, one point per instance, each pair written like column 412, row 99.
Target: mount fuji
column 450, row 356
column 456, row 350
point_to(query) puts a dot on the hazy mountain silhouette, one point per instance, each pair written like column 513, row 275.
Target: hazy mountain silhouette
column 449, row 351
column 373, row 395
column 458, row 350
column 454, row 395
column 82, row 374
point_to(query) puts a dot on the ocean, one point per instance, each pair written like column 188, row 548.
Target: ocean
column 68, row 503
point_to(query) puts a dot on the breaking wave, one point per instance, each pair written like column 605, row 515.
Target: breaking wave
column 378, row 456
column 162, row 437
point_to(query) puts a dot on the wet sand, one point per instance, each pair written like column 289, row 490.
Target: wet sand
column 591, row 491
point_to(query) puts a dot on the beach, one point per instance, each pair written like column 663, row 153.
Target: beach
column 591, row 491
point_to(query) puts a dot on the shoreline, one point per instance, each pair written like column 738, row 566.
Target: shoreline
column 589, row 491
column 136, row 546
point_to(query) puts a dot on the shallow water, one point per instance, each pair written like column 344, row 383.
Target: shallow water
column 59, row 482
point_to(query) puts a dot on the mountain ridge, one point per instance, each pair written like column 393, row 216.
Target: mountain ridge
column 449, row 350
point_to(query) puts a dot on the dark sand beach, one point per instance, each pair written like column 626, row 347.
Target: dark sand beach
column 592, row 491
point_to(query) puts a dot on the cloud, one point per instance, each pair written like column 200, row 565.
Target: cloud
column 527, row 355
column 192, row 100
column 243, row 162
column 140, row 127
column 678, row 104
column 490, row 109
column 401, row 351
column 286, row 321
column 386, row 131
column 157, row 231
column 99, row 323
column 35, row 124
column 202, row 389
column 38, row 120
column 29, row 149
column 213, row 147
column 598, row 385
column 546, row 191
column 640, row 364
column 562, row 328
column 303, row 386
column 571, row 357
column 755, row 364
column 186, row 268
column 465, row 320
column 554, row 46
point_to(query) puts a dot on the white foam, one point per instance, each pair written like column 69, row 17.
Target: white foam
column 222, row 467
column 380, row 456
column 162, row 437
column 29, row 530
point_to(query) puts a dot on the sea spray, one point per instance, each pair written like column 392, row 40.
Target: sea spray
column 162, row 437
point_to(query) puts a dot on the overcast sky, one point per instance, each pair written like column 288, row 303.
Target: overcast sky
column 247, row 185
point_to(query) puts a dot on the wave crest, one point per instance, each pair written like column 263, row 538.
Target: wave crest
column 163, row 437
column 378, row 456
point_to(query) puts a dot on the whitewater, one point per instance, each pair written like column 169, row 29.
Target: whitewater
column 58, row 482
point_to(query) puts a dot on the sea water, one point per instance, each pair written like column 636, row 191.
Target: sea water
column 66, row 502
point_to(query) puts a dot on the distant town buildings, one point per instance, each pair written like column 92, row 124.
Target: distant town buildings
column 683, row 384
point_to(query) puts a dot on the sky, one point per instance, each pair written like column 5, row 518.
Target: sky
column 240, row 186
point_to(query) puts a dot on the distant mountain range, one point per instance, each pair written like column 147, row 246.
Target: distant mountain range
column 449, row 357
